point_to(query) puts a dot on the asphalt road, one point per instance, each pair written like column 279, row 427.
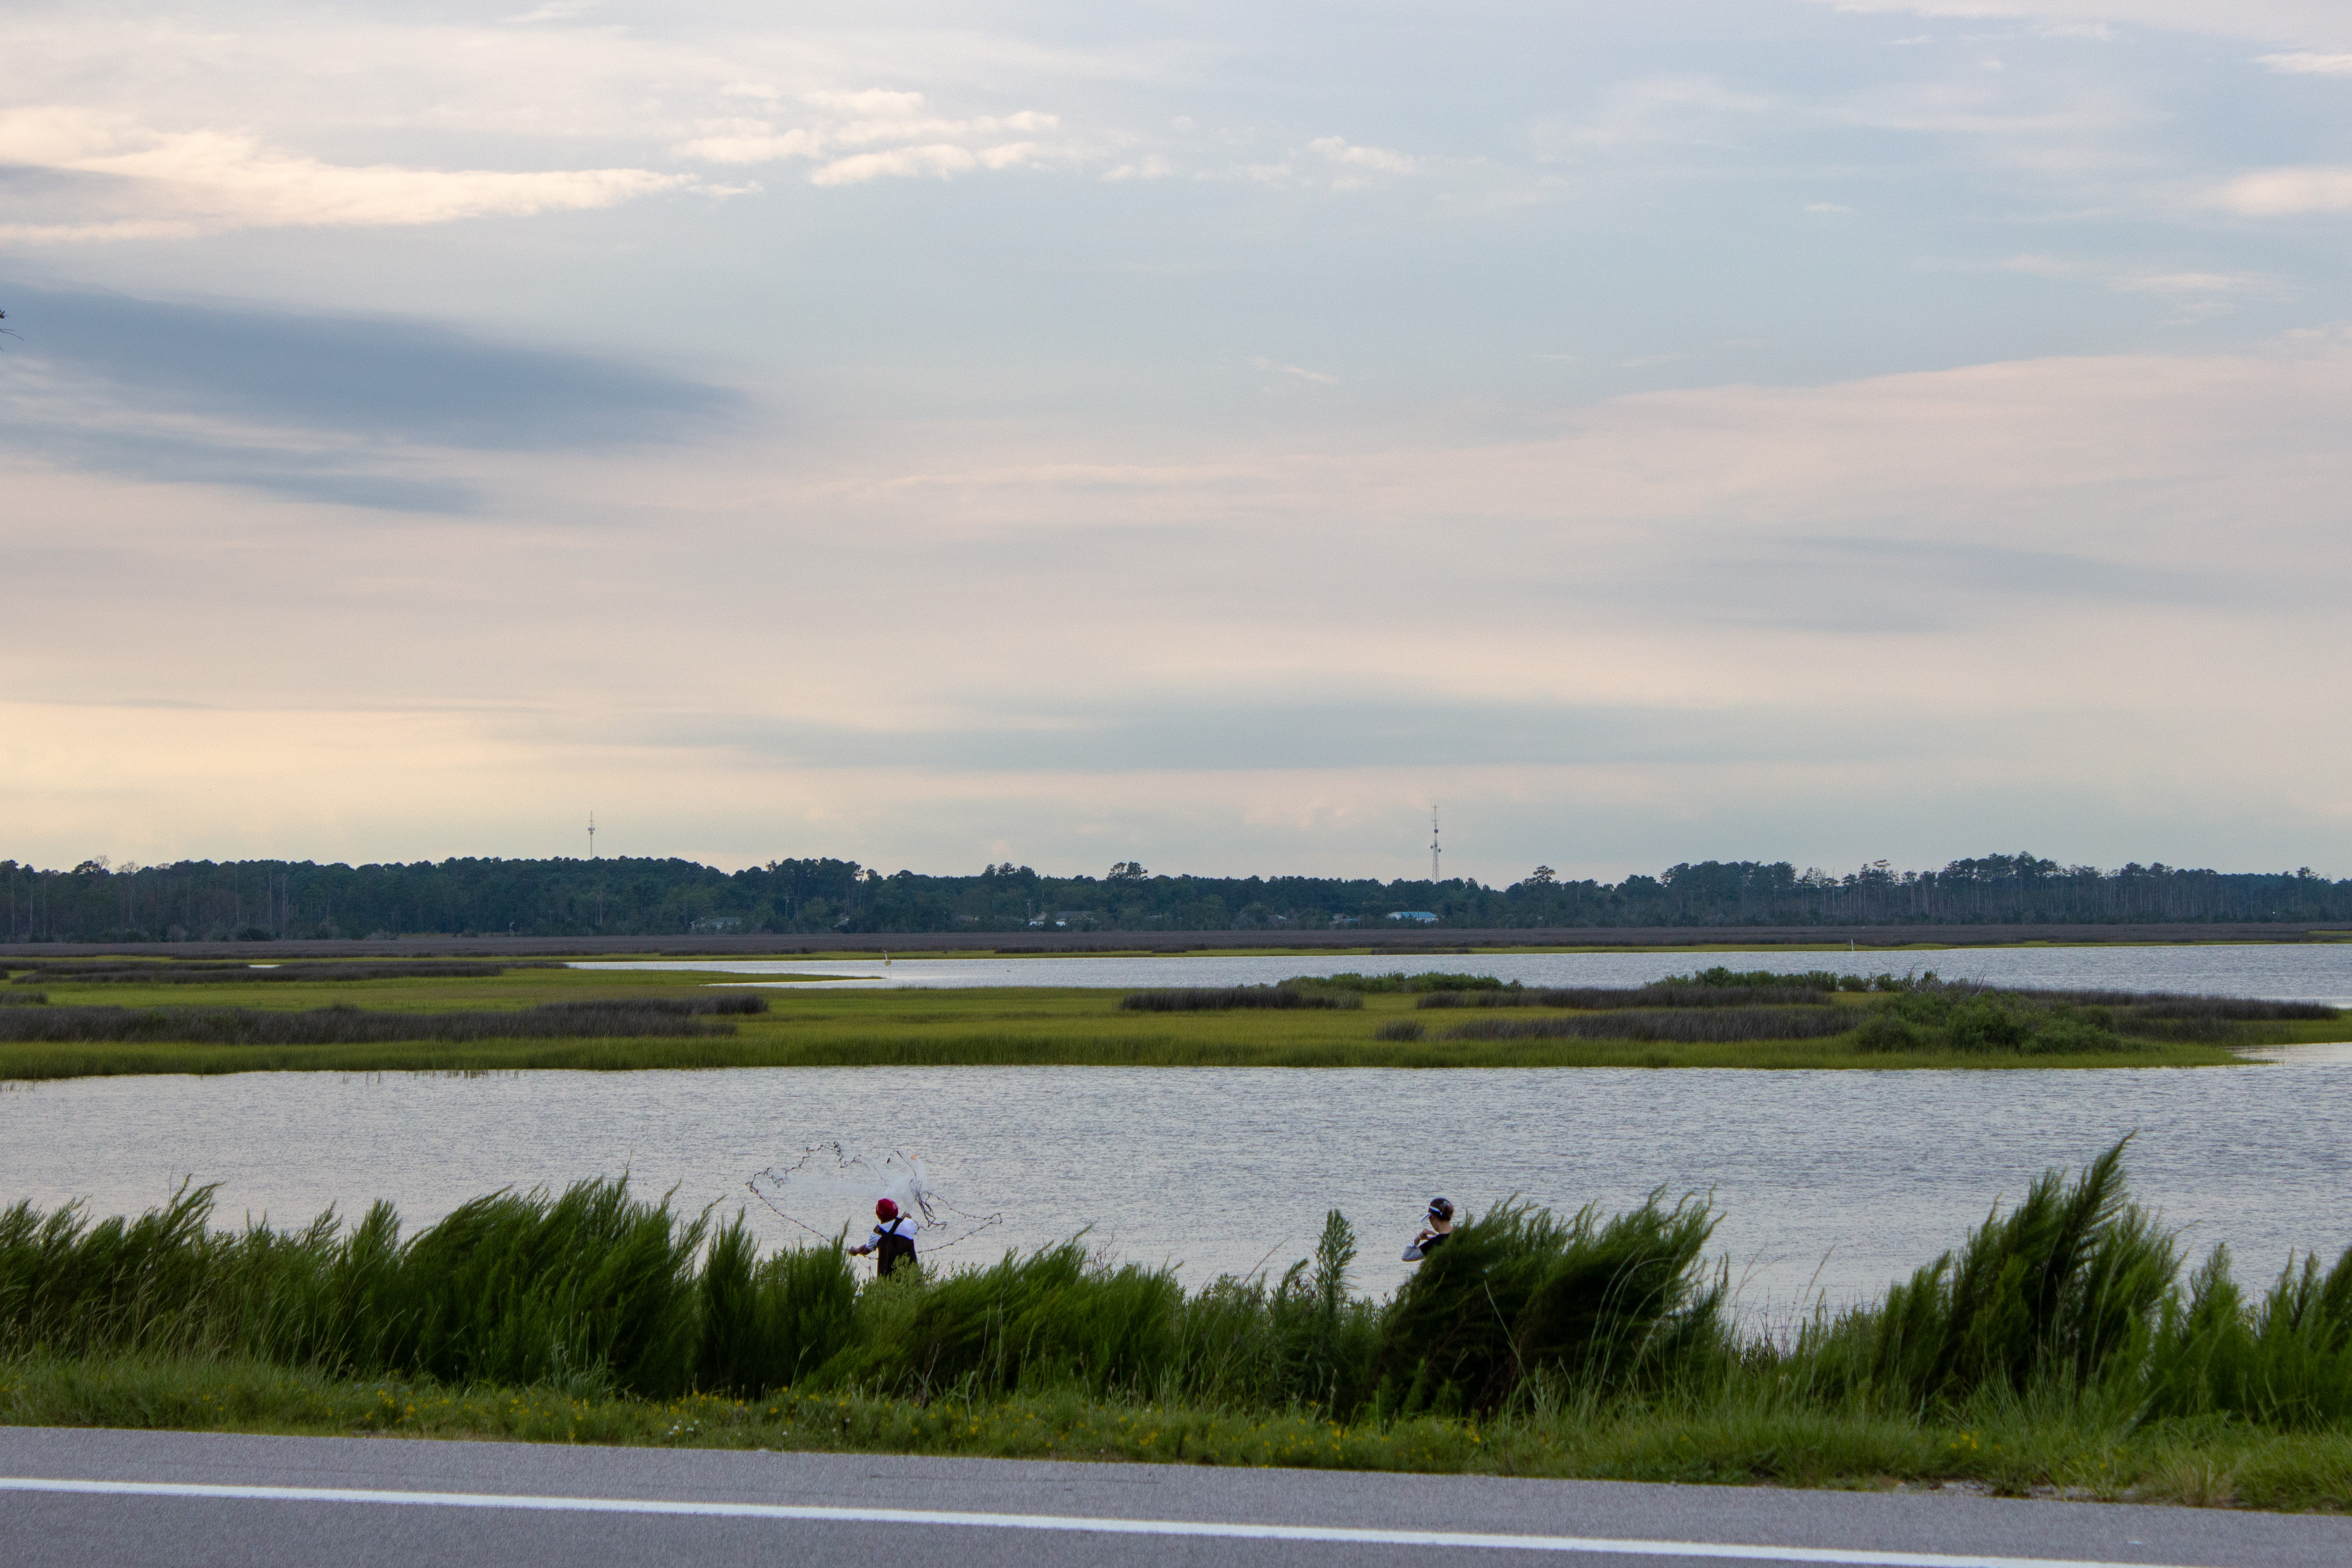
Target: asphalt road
column 70, row 1498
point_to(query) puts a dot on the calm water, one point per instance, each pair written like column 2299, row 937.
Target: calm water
column 1841, row 1180
column 2319, row 972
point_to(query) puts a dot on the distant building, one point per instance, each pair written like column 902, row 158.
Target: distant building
column 716, row 925
column 1419, row 917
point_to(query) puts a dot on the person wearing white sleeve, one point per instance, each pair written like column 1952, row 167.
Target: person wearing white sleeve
column 1432, row 1235
column 893, row 1241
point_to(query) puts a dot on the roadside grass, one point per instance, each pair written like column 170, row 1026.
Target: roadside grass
column 811, row 1025
column 2057, row 1345
column 1743, row 1439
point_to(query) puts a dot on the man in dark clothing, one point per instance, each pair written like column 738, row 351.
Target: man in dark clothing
column 893, row 1241
column 1433, row 1234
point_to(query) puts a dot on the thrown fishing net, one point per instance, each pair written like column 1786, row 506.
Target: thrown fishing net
column 831, row 1178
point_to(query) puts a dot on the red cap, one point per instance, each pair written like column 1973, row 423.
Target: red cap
column 886, row 1209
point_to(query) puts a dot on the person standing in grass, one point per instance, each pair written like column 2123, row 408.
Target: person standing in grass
column 1433, row 1234
column 893, row 1241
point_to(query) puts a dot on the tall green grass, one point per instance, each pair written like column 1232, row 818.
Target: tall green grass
column 2071, row 1305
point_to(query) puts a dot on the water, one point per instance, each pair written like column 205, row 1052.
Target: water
column 2311, row 972
column 1839, row 1181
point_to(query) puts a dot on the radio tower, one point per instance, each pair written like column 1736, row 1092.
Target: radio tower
column 592, row 836
column 1433, row 844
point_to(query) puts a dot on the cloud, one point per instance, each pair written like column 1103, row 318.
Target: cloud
column 2198, row 294
column 938, row 159
column 1150, row 166
column 340, row 408
column 1331, row 730
column 183, row 183
column 1278, row 368
column 2195, row 283
column 2285, row 193
column 401, row 379
column 2308, row 64
column 912, row 141
column 1367, row 159
column 2267, row 20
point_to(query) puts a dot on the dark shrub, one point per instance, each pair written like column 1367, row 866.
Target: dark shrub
column 1702, row 1025
column 1207, row 999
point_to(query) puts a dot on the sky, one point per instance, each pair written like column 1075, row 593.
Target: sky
column 1213, row 435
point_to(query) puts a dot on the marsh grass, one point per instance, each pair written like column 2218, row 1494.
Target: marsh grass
column 1709, row 1025
column 347, row 1025
column 814, row 1027
column 1619, row 996
column 2056, row 1347
column 225, row 971
column 1228, row 998
column 1397, row 980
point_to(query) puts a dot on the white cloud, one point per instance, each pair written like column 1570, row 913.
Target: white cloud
column 2268, row 20
column 1150, row 166
column 1278, row 368
column 924, row 144
column 191, row 182
column 2282, row 193
column 2193, row 283
column 1369, row 160
column 750, row 142
column 2308, row 64
column 940, row 160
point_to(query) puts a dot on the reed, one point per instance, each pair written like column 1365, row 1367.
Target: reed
column 2071, row 1296
column 1717, row 1025
column 1662, row 994
column 1431, row 980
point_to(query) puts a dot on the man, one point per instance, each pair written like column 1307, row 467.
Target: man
column 1432, row 1235
column 893, row 1241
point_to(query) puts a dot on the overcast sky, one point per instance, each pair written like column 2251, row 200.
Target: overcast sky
column 1209, row 435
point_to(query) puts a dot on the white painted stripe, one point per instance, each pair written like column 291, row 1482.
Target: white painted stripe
column 1720, row 1551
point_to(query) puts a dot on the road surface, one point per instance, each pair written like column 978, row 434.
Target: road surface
column 74, row 1498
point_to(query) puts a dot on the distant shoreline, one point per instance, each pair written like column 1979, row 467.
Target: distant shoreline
column 1204, row 944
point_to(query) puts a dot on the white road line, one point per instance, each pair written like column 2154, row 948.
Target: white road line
column 1719, row 1551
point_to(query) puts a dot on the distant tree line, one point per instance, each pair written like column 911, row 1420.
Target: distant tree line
column 258, row 899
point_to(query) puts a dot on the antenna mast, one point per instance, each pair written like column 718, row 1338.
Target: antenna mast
column 1433, row 844
column 592, row 836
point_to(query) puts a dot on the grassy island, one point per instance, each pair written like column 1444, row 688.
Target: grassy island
column 93, row 1018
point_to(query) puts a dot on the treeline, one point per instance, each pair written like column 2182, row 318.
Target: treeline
column 261, row 900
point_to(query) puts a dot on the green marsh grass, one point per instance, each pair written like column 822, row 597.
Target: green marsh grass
column 2058, row 1345
column 811, row 1025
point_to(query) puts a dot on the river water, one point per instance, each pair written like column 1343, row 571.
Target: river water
column 1829, row 1182
column 2300, row 972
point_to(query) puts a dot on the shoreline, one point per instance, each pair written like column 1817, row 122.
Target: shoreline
column 1402, row 944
